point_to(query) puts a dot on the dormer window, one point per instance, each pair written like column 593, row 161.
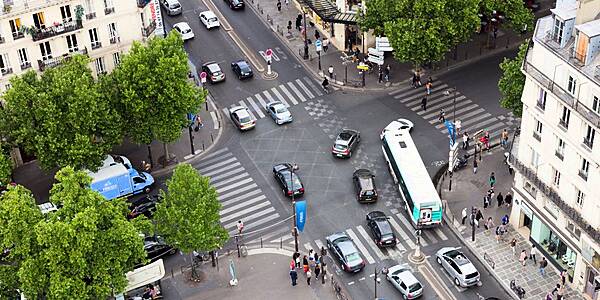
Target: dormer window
column 557, row 34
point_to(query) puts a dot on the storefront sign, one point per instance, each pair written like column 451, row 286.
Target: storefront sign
column 382, row 44
column 157, row 17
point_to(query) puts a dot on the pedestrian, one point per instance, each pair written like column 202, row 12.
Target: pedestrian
column 497, row 232
column 317, row 271
column 555, row 290
column 505, row 220
column 317, row 261
column 298, row 22
column 323, row 251
column 548, row 295
column 387, row 73
column 294, row 276
column 486, row 138
column 561, row 292
column 293, row 262
column 428, row 86
column 533, row 253
column 279, row 5
column 240, row 227
column 324, row 271
column 492, row 179
column 287, row 2
column 523, row 256
column 500, row 199
column 330, row 70
column 311, row 258
column 297, row 258
column 198, row 122
column 508, row 199
column 563, row 277
column 478, row 217
column 491, row 193
column 380, row 77
column 543, row 265
column 464, row 215
column 424, row 103
column 465, row 139
column 308, row 275
column 513, row 246
column 488, row 225
column 442, row 117
column 414, row 80
column 504, row 138
column 457, row 126
column 289, row 26
column 486, row 201
column 474, row 165
column 419, row 79
column 324, row 43
column 305, row 263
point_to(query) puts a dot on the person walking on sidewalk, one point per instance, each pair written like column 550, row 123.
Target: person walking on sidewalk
column 548, row 296
column 492, row 179
column 465, row 139
column 532, row 254
column 508, row 199
column 543, row 265
column 504, row 138
column 474, row 165
column 317, row 271
column 330, row 70
column 523, row 257
column 563, row 277
column 308, row 275
column 299, row 22
column 305, row 264
column 464, row 215
column 442, row 117
column 500, row 199
column 387, row 73
column 293, row 276
column 279, row 5
column 324, row 271
column 513, row 246
column 561, row 292
column 489, row 224
column 424, row 103
column 486, row 201
column 380, row 76
column 324, row 43
column 478, row 217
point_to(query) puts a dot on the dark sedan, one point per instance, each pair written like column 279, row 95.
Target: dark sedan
column 288, row 180
column 157, row 248
column 146, row 206
column 382, row 232
column 242, row 69
column 235, row 4
column 342, row 247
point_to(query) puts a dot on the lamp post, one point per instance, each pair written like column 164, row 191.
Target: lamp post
column 305, row 56
column 447, row 93
column 377, row 280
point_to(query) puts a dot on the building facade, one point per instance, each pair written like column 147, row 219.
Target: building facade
column 40, row 34
column 558, row 155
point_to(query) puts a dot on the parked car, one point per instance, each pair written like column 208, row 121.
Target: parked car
column 172, row 7
column 345, row 143
column 235, row 4
column 288, row 179
column 405, row 282
column 381, row 230
column 185, row 30
column 278, row 112
column 458, row 266
column 241, row 118
column 342, row 247
column 400, row 124
column 213, row 72
column 242, row 69
column 157, row 248
column 364, row 186
column 209, row 19
column 146, row 206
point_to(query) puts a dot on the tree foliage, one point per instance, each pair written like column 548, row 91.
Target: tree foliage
column 512, row 81
column 5, row 167
column 60, row 116
column 518, row 16
column 81, row 251
column 153, row 93
column 188, row 216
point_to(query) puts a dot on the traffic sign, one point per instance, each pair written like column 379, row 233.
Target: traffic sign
column 376, row 56
column 362, row 67
column 318, row 45
column 269, row 52
column 383, row 44
column 203, row 77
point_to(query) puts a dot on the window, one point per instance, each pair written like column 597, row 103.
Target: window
column 65, row 12
column 72, row 43
column 596, row 105
column 100, row 67
column 38, row 20
column 94, row 38
column 572, row 84
column 559, row 26
column 535, row 159
column 588, row 140
column 45, row 50
column 112, row 32
column 116, row 58
column 580, row 197
column 541, row 103
column 585, row 167
column 108, row 7
column 560, row 148
column 23, row 58
column 556, row 177
column 566, row 115
column 15, row 28
column 572, row 228
column 537, row 134
column 5, row 64
column 530, row 189
column 90, row 10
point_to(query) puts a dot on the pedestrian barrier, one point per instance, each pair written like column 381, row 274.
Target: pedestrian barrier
column 489, row 260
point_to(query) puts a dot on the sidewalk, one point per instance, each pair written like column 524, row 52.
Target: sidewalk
column 263, row 274
column 479, row 46
column 468, row 190
column 39, row 182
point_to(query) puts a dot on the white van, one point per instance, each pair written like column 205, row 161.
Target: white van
column 173, row 7
column 144, row 280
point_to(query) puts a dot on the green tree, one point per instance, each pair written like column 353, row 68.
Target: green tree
column 188, row 216
column 5, row 167
column 153, row 93
column 518, row 16
column 60, row 116
column 512, row 81
column 81, row 251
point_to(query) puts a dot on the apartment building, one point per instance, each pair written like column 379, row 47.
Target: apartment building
column 558, row 155
column 40, row 34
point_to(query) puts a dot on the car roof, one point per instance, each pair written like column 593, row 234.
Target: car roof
column 404, row 274
column 277, row 105
column 213, row 66
column 281, row 167
column 363, row 173
column 347, row 247
column 334, row 236
column 208, row 14
column 182, row 25
column 345, row 135
column 240, row 111
column 242, row 63
column 456, row 256
column 376, row 214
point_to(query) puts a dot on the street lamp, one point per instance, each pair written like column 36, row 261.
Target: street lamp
column 447, row 93
column 377, row 280
column 305, row 56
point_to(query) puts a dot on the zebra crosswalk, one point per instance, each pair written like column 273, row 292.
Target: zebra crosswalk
column 473, row 118
column 290, row 93
column 241, row 198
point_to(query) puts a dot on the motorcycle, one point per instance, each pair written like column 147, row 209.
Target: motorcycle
column 461, row 163
column 517, row 289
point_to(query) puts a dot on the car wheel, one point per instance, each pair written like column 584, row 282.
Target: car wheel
column 147, row 190
column 439, row 260
column 404, row 297
column 456, row 282
column 231, row 6
column 172, row 251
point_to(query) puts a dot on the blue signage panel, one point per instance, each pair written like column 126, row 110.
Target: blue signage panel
column 300, row 215
column 451, row 131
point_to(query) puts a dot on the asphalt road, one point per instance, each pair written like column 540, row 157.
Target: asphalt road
column 241, row 164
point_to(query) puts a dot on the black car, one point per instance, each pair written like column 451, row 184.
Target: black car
column 242, row 69
column 345, row 143
column 364, row 186
column 342, row 247
column 235, row 4
column 146, row 206
column 380, row 229
column 156, row 248
column 288, row 180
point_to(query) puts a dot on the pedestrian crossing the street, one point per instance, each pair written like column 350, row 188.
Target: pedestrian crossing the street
column 473, row 118
column 290, row 93
column 241, row 198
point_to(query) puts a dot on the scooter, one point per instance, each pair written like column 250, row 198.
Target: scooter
column 517, row 289
column 461, row 163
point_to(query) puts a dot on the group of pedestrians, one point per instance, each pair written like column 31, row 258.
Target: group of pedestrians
column 313, row 263
column 559, row 291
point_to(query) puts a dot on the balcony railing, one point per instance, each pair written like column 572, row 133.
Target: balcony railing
column 147, row 31
column 590, row 115
column 53, row 62
column 25, row 66
column 2, row 40
column 90, row 16
column 563, row 124
column 142, row 3
column 559, row 154
column 541, row 105
column 48, row 32
column 115, row 39
column 583, row 174
column 109, row 10
column 551, row 194
column 537, row 136
column 18, row 35
column 588, row 142
column 6, row 71
column 96, row 45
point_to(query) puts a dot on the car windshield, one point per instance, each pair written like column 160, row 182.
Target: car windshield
column 213, row 19
column 186, row 30
column 345, row 136
column 280, row 109
column 368, row 193
column 297, row 183
column 175, row 5
column 353, row 257
column 415, row 287
column 340, row 147
column 245, row 119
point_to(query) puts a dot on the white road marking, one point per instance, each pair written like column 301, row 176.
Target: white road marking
column 319, row 244
column 440, row 233
column 237, row 191
column 225, row 168
column 288, row 94
column 243, row 204
column 312, row 86
column 213, row 160
column 370, row 242
column 279, row 97
column 296, row 91
column 402, row 234
column 214, row 166
column 249, row 111
column 241, row 197
column 226, row 174
column 409, row 227
column 232, row 186
column 360, row 246
column 215, row 120
column 236, row 216
column 231, row 179
column 304, row 88
column 261, row 100
column 256, row 108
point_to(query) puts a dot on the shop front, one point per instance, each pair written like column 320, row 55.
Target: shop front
column 591, row 259
column 553, row 247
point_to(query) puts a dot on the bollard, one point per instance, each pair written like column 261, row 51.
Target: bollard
column 212, row 139
column 507, row 41
column 172, row 273
column 258, row 6
column 280, row 243
column 206, row 104
column 261, row 242
column 277, row 27
column 202, row 146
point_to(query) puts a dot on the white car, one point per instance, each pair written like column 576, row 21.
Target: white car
column 278, row 112
column 405, row 282
column 458, row 266
column 400, row 124
column 209, row 19
column 185, row 30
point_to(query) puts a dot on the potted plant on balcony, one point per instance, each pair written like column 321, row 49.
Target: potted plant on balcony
column 30, row 30
column 7, row 8
column 78, row 15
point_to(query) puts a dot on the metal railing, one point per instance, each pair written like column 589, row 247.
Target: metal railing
column 58, row 29
column 53, row 62
column 109, row 10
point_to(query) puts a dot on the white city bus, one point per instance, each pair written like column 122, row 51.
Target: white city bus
column 422, row 202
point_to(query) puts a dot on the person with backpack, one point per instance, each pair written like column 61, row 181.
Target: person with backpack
column 543, row 265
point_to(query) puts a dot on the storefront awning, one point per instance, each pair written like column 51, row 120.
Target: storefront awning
column 328, row 12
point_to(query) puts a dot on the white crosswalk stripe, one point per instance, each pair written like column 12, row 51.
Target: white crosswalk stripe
column 288, row 94
column 228, row 180
column 240, row 205
column 248, row 210
column 410, row 229
column 439, row 232
column 304, row 88
column 403, row 236
column 360, row 246
column 240, row 198
column 262, row 102
column 319, row 244
column 297, row 92
column 270, row 98
column 471, row 113
column 234, row 185
column 308, row 247
column 370, row 242
column 279, row 97
column 313, row 86
column 257, row 109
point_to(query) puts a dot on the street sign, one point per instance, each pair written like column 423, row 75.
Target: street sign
column 452, row 157
column 203, row 77
column 382, row 44
column 362, row 67
column 318, row 45
column 269, row 53
column 300, row 207
column 376, row 56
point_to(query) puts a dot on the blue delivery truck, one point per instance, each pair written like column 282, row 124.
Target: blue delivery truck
column 120, row 180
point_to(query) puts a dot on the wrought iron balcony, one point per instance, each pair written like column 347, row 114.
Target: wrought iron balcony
column 588, row 142
column 147, row 31
column 142, row 3
column 6, row 71
column 583, row 174
column 551, row 194
column 18, row 35
column 541, row 105
column 115, row 39
column 537, row 136
column 90, row 16
column 25, row 66
column 559, row 154
column 2, row 40
column 57, row 29
column 56, row 61
column 96, row 45
column 109, row 10
column 564, row 124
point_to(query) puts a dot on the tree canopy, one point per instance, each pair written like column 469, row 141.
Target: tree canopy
column 518, row 16
column 188, row 216
column 512, row 81
column 81, row 251
column 5, row 167
column 60, row 117
column 153, row 93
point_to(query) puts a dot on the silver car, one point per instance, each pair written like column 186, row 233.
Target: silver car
column 241, row 118
column 278, row 112
column 405, row 282
column 458, row 266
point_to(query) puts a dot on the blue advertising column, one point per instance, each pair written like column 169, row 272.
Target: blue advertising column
column 300, row 215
